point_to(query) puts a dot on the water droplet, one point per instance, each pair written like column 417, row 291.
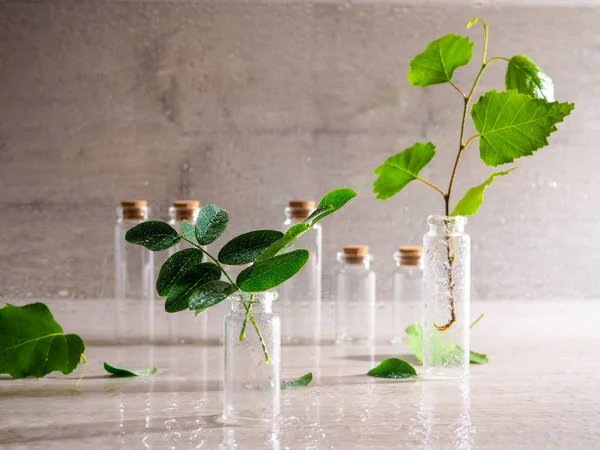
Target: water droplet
column 145, row 183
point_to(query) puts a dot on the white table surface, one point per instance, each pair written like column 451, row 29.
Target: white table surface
column 541, row 390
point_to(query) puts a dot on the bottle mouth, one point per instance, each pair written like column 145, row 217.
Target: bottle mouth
column 447, row 223
column 254, row 297
column 185, row 210
column 133, row 210
column 300, row 209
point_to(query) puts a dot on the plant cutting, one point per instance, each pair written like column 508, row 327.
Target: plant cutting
column 509, row 124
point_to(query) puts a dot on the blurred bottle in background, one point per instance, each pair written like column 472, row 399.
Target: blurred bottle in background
column 300, row 300
column 355, row 291
column 407, row 281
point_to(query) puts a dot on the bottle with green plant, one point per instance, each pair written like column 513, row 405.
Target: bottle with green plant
column 509, row 124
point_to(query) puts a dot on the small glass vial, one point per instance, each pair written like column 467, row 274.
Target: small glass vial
column 251, row 385
column 446, row 295
column 355, row 296
column 301, row 295
column 407, row 282
column 134, row 278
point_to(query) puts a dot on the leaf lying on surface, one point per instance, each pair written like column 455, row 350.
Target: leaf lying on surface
column 304, row 380
column 393, row 368
column 122, row 373
column 33, row 344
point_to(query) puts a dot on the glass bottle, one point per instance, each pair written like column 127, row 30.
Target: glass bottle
column 251, row 386
column 407, row 281
column 355, row 296
column 134, row 277
column 446, row 295
column 301, row 295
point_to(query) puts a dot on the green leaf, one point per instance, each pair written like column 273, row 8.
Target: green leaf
column 443, row 351
column 527, row 78
column 336, row 198
column 393, row 368
column 174, row 267
column 512, row 125
column 122, row 373
column 283, row 244
column 246, row 247
column 303, row 381
column 318, row 214
column 441, row 58
column 154, row 235
column 270, row 273
column 470, row 203
column 211, row 223
column 210, row 294
column 472, row 22
column 33, row 344
column 189, row 230
column 401, row 169
column 187, row 286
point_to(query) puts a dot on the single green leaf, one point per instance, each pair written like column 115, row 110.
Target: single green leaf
column 318, row 214
column 33, row 344
column 443, row 351
column 246, row 247
column 186, row 287
column 189, row 230
column 401, row 169
column 527, row 78
column 174, row 267
column 211, row 223
column 393, row 368
column 154, row 235
column 303, row 381
column 440, row 59
column 122, row 373
column 210, row 294
column 284, row 243
column 336, row 198
column 470, row 203
column 512, row 125
column 472, row 22
column 270, row 273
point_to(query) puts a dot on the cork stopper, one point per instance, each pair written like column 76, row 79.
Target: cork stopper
column 134, row 203
column 301, row 209
column 356, row 254
column 134, row 209
column 185, row 210
column 410, row 255
column 186, row 204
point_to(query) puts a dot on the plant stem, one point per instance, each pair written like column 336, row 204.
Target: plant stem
column 431, row 185
column 457, row 88
column 476, row 321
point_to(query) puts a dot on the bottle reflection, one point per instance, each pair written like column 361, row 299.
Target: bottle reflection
column 236, row 438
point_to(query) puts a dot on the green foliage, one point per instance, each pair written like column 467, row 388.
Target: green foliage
column 270, row 273
column 284, row 244
column 303, row 381
column 33, row 344
column 210, row 294
column 441, row 58
column 401, row 169
column 175, row 267
column 246, row 247
column 470, row 203
column 189, row 230
column 393, row 368
column 318, row 214
column 123, row 373
column 154, row 235
column 527, row 78
column 336, row 198
column 211, row 223
column 513, row 125
column 189, row 286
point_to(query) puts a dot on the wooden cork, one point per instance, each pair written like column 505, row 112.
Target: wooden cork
column 134, row 203
column 356, row 254
column 301, row 209
column 134, row 209
column 186, row 209
column 306, row 204
column 186, row 204
column 410, row 255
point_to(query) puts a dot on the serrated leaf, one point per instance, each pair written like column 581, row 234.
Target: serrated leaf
column 211, row 223
column 393, row 368
column 318, row 214
column 210, row 294
column 399, row 170
column 303, row 381
column 246, row 247
column 470, row 203
column 187, row 286
column 284, row 243
column 117, row 372
column 513, row 125
column 270, row 273
column 33, row 344
column 441, row 58
column 189, row 230
column 443, row 351
column 154, row 235
column 527, row 78
column 174, row 268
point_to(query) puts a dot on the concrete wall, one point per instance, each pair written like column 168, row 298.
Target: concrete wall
column 250, row 104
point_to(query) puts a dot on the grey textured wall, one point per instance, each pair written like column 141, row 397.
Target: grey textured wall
column 249, row 104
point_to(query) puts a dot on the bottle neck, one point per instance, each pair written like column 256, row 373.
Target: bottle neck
column 260, row 301
column 132, row 214
column 178, row 215
column 355, row 262
column 446, row 225
column 297, row 214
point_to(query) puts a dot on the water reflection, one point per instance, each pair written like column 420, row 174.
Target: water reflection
column 236, row 438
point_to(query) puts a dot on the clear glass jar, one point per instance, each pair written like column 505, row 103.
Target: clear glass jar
column 300, row 307
column 251, row 386
column 446, row 295
column 134, row 278
column 355, row 285
column 407, row 281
